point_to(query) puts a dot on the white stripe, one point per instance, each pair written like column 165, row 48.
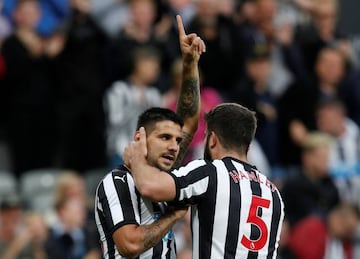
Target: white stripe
column 184, row 170
column 195, row 235
column 266, row 213
column 194, row 189
column 113, row 200
column 134, row 199
column 221, row 210
column 280, row 225
column 100, row 229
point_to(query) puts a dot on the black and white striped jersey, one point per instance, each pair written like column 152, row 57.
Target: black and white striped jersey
column 118, row 203
column 236, row 211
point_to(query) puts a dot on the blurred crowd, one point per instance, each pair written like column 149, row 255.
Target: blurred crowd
column 75, row 75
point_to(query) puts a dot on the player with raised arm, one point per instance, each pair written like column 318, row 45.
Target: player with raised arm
column 129, row 224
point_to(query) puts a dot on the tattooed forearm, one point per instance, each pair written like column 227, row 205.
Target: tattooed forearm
column 188, row 104
column 183, row 148
column 152, row 236
column 158, row 229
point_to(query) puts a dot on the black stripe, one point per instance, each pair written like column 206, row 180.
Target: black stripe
column 157, row 250
column 123, row 192
column 206, row 212
column 106, row 220
column 276, row 215
column 234, row 212
column 255, row 232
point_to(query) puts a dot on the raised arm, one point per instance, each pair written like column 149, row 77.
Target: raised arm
column 188, row 106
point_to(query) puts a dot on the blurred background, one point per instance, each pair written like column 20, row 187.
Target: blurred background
column 75, row 74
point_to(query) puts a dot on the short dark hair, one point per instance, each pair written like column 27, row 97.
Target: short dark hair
column 234, row 124
column 143, row 53
column 332, row 102
column 155, row 114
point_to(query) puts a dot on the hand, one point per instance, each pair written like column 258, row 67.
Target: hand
column 136, row 151
column 191, row 45
column 298, row 131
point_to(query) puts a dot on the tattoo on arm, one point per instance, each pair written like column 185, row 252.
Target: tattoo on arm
column 188, row 104
column 158, row 229
column 151, row 237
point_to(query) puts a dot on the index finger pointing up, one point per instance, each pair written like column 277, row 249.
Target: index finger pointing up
column 180, row 26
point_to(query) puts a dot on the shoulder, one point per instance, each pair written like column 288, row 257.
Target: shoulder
column 191, row 166
column 352, row 128
column 117, row 175
column 118, row 86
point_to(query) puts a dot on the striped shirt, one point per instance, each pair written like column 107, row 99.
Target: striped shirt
column 118, row 203
column 236, row 211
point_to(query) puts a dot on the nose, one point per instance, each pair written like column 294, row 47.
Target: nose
column 173, row 145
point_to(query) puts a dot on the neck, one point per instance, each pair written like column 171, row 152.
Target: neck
column 328, row 88
column 230, row 153
column 135, row 80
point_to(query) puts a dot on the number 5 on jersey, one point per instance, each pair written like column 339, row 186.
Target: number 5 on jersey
column 253, row 218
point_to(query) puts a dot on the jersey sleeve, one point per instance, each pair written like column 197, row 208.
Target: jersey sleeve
column 192, row 182
column 117, row 201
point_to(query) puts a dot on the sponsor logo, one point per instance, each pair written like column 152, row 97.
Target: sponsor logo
column 122, row 178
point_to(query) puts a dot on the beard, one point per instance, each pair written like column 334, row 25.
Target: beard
column 207, row 154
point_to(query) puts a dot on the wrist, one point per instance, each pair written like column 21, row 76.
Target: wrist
column 189, row 61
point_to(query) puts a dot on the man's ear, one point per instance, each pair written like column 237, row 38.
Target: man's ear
column 137, row 135
column 213, row 140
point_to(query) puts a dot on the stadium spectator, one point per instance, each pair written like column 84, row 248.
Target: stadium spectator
column 330, row 237
column 126, row 99
column 68, row 237
column 344, row 158
column 295, row 118
column 80, row 82
column 218, row 66
column 311, row 191
column 53, row 14
column 253, row 92
column 30, row 239
column 28, row 85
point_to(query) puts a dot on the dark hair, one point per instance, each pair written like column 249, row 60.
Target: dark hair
column 332, row 102
column 143, row 53
column 235, row 125
column 20, row 2
column 153, row 115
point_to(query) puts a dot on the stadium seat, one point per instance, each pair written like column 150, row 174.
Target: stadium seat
column 37, row 188
column 92, row 179
column 8, row 183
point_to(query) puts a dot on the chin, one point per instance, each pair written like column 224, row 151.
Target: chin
column 164, row 167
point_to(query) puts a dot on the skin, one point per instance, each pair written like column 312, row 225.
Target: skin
column 163, row 145
column 158, row 185
column 166, row 145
